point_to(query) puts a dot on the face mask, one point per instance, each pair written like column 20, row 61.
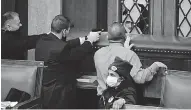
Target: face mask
column 112, row 81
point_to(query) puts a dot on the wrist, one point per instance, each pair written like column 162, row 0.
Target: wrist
column 82, row 40
column 87, row 37
column 153, row 68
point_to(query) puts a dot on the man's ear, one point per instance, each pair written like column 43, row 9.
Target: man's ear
column 121, row 78
column 8, row 27
column 63, row 32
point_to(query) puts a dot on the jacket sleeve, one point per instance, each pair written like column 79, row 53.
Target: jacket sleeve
column 32, row 40
column 129, row 94
column 73, row 43
column 139, row 74
column 73, row 53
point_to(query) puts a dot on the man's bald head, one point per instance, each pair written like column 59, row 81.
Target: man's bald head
column 116, row 32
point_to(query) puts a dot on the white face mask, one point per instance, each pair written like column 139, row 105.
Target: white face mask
column 112, row 81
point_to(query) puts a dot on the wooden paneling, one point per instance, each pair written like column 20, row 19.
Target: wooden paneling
column 151, row 16
column 157, row 17
column 21, row 7
column 169, row 18
column 113, row 11
column 163, row 18
column 83, row 13
column 172, row 64
column 7, row 5
column 174, row 61
column 102, row 14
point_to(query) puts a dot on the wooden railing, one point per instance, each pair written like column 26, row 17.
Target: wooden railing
column 175, row 53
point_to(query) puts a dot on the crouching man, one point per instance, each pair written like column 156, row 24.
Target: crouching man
column 120, row 86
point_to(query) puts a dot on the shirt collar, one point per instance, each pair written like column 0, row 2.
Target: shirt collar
column 54, row 35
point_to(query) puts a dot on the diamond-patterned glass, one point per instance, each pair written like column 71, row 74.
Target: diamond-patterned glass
column 135, row 16
column 184, row 18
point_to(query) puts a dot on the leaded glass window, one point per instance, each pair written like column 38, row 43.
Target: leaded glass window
column 135, row 16
column 184, row 18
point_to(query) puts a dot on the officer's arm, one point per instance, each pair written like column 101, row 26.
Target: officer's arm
column 141, row 75
column 32, row 40
column 77, row 53
column 76, row 42
column 73, row 43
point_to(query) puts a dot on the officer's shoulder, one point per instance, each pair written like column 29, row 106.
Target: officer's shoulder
column 101, row 50
column 44, row 34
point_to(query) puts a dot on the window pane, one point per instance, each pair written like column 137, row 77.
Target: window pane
column 135, row 16
column 184, row 18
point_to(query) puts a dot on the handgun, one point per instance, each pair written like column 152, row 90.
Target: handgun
column 96, row 30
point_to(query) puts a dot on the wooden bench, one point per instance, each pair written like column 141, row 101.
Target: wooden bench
column 174, row 89
column 25, row 76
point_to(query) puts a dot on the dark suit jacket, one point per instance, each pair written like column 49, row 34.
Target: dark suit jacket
column 62, row 58
column 14, row 45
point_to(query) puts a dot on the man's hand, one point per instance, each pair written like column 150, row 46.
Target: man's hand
column 162, row 68
column 93, row 36
column 127, row 43
column 158, row 67
column 118, row 103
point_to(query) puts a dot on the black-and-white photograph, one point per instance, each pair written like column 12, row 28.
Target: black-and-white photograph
column 95, row 54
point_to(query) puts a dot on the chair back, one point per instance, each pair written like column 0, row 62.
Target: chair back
column 176, row 91
column 22, row 75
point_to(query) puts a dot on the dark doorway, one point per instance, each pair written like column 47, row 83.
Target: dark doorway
column 86, row 14
column 102, row 14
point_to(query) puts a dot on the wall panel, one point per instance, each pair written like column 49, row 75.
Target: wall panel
column 169, row 18
column 113, row 11
column 40, row 15
column 83, row 13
